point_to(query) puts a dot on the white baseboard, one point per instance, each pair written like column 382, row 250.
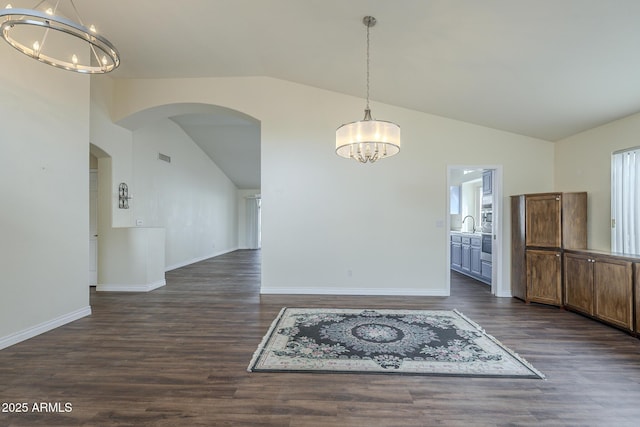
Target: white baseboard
column 41, row 328
column 130, row 288
column 356, row 291
column 198, row 259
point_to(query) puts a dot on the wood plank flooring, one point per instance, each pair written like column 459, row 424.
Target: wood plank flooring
column 177, row 356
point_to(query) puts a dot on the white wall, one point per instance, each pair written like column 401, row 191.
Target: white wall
column 331, row 225
column 44, row 197
column 583, row 163
column 191, row 198
column 129, row 259
column 117, row 143
column 136, row 262
column 471, row 204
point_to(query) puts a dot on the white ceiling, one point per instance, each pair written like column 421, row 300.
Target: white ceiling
column 232, row 142
column 542, row 68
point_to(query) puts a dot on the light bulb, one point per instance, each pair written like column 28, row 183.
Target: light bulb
column 36, row 46
column 92, row 28
column 104, row 60
column 8, row 6
column 74, row 59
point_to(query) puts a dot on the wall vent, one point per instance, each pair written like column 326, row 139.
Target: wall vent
column 164, row 157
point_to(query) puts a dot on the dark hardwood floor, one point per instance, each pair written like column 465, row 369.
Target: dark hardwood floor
column 177, row 356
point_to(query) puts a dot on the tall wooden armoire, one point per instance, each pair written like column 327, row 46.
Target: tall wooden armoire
column 542, row 226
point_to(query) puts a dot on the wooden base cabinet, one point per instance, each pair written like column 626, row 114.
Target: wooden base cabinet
column 600, row 286
column 613, row 291
column 544, row 277
column 578, row 283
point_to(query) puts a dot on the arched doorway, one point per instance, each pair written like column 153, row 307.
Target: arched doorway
column 171, row 189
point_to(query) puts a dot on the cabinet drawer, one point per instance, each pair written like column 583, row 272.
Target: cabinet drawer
column 456, row 239
column 476, row 242
column 466, row 240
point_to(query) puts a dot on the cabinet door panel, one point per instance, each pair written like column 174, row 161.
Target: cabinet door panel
column 544, row 277
column 486, row 269
column 613, row 292
column 543, row 221
column 574, row 224
column 578, row 283
column 466, row 258
column 456, row 255
column 476, row 266
column 487, row 183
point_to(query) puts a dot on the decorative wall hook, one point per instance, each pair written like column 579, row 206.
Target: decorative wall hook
column 123, row 196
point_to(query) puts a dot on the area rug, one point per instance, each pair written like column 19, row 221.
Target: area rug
column 419, row 342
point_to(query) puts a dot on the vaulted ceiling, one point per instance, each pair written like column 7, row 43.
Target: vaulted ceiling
column 543, row 68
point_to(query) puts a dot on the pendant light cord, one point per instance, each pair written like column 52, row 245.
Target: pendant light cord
column 368, row 26
column 368, row 21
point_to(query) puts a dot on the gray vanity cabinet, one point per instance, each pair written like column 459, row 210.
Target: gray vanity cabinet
column 466, row 249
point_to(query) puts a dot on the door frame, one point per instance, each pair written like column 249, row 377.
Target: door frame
column 498, row 286
column 93, row 276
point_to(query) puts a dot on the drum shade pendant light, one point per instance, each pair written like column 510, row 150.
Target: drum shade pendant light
column 368, row 140
column 45, row 33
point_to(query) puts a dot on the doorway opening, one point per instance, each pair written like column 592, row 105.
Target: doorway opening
column 474, row 235
column 99, row 206
column 93, row 220
column 253, row 221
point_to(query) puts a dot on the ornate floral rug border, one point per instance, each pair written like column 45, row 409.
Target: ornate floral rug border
column 409, row 342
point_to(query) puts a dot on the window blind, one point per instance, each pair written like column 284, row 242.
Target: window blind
column 625, row 201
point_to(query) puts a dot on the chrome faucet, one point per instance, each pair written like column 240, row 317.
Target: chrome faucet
column 473, row 222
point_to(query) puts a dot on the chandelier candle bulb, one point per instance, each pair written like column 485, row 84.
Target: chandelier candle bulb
column 63, row 36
